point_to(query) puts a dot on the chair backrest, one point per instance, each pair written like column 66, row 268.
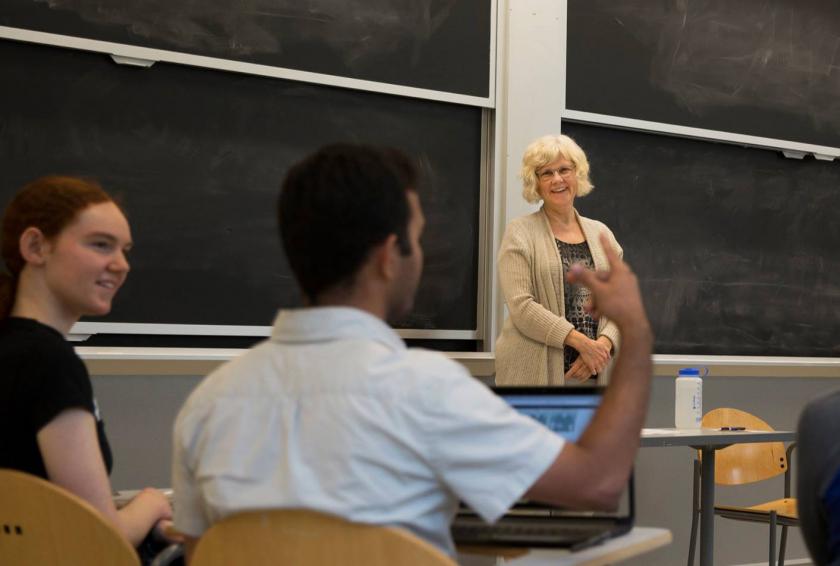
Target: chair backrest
column 745, row 463
column 308, row 538
column 41, row 523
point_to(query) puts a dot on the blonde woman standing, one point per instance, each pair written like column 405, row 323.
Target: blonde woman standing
column 549, row 338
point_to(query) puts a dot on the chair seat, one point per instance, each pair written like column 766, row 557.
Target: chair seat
column 785, row 509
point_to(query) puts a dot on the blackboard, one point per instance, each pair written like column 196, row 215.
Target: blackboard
column 441, row 45
column 198, row 157
column 767, row 69
column 736, row 249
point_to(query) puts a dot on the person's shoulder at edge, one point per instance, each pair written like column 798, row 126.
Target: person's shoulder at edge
column 817, row 427
column 828, row 403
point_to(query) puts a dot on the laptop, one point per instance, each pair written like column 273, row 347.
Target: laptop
column 567, row 411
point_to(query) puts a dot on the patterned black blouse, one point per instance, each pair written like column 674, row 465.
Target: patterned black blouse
column 576, row 296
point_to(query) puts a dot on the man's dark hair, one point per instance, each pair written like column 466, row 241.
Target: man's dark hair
column 336, row 205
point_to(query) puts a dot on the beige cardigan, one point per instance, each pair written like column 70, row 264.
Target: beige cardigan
column 529, row 350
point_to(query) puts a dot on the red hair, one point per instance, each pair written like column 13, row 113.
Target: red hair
column 49, row 204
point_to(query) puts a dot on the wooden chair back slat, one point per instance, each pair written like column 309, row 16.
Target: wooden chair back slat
column 745, row 463
column 40, row 523
column 309, row 538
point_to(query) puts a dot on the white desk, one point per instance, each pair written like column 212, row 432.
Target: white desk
column 638, row 541
column 708, row 441
column 123, row 497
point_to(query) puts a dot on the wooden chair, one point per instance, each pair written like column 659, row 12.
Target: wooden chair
column 307, row 538
column 747, row 463
column 40, row 523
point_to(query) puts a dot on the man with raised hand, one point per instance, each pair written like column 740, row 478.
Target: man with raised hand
column 334, row 413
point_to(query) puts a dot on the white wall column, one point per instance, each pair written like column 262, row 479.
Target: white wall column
column 530, row 91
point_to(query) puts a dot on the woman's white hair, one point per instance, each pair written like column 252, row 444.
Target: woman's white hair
column 543, row 151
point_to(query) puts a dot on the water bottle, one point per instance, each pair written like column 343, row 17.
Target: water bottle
column 688, row 400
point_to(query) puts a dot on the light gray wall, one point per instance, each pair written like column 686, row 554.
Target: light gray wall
column 139, row 412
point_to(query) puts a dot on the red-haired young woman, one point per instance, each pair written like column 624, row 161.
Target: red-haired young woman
column 64, row 243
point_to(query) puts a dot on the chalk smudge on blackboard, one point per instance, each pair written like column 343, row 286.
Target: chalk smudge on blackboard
column 355, row 30
column 752, row 53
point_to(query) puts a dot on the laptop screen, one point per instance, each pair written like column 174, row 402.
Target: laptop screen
column 566, row 411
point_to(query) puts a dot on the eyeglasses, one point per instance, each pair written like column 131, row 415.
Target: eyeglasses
column 548, row 174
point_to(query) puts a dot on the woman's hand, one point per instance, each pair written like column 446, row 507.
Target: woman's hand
column 578, row 371
column 155, row 502
column 594, row 353
column 142, row 513
column 607, row 343
column 165, row 531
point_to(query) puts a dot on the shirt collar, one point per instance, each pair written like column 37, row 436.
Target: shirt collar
column 326, row 324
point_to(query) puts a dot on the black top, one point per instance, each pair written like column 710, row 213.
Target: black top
column 41, row 377
column 575, row 297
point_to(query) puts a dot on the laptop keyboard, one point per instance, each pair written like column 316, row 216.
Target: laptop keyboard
column 528, row 533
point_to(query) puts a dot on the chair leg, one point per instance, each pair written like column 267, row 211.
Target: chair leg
column 695, row 513
column 772, row 561
column 782, row 546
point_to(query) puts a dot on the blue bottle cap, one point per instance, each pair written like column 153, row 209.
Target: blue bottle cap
column 692, row 372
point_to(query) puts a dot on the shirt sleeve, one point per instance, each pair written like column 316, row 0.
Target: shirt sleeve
column 483, row 450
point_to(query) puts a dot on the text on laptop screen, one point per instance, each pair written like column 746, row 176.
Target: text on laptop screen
column 568, row 416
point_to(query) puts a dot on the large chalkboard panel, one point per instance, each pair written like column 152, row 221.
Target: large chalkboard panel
column 768, row 69
column 736, row 249
column 441, row 45
column 198, row 156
